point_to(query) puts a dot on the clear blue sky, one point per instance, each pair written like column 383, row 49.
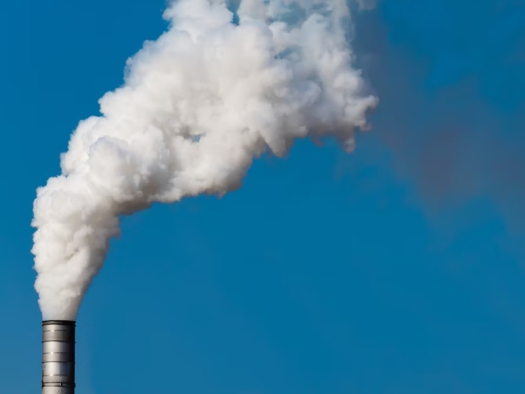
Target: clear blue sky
column 396, row 270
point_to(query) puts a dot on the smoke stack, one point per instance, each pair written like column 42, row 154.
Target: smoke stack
column 58, row 357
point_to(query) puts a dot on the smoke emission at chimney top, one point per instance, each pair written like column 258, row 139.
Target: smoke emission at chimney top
column 198, row 105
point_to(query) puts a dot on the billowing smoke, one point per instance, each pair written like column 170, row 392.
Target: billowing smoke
column 198, row 105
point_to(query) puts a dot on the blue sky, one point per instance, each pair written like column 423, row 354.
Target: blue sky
column 398, row 269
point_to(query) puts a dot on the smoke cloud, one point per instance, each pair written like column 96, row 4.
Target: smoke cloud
column 198, row 105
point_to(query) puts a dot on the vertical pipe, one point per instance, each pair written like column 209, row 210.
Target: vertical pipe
column 58, row 357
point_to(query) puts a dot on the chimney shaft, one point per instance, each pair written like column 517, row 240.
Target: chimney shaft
column 58, row 357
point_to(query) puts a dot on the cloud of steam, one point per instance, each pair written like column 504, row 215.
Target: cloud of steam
column 367, row 4
column 198, row 105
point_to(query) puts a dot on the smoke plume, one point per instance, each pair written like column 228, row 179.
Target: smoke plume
column 198, row 105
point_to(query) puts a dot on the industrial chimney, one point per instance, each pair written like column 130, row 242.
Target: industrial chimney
column 58, row 357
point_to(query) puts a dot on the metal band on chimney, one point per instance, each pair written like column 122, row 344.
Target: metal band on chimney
column 58, row 357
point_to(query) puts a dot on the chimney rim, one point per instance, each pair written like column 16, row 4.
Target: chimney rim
column 59, row 322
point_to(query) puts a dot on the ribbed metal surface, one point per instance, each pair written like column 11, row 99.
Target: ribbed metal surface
column 58, row 357
column 57, row 390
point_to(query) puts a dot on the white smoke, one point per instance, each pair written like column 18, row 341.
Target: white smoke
column 198, row 105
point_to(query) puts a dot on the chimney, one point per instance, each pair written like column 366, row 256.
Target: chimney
column 58, row 357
